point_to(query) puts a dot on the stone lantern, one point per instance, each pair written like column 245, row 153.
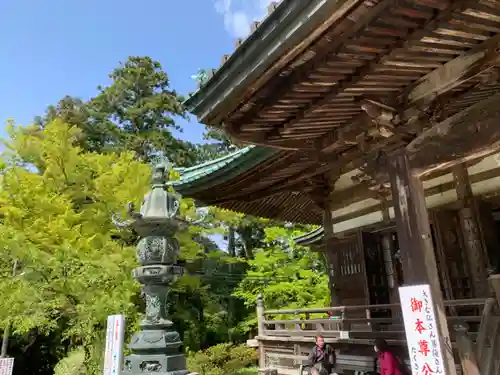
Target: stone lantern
column 157, row 348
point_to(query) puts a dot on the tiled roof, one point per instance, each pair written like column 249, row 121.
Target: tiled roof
column 253, row 181
column 215, row 172
column 311, row 238
column 240, row 43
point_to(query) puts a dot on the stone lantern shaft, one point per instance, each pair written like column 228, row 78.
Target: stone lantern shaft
column 157, row 348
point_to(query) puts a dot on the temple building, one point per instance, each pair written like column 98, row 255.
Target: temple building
column 378, row 120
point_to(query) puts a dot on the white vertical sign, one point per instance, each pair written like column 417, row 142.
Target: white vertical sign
column 108, row 351
column 422, row 336
column 118, row 336
column 6, row 366
column 113, row 355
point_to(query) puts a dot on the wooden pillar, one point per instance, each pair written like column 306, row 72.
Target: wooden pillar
column 415, row 241
column 261, row 333
column 387, row 253
column 469, row 223
column 332, row 260
column 495, row 286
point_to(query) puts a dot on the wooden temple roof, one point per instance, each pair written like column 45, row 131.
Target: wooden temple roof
column 331, row 85
column 250, row 181
column 314, row 237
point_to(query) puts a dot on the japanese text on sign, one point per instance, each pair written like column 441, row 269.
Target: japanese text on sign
column 113, row 354
column 6, row 366
column 419, row 317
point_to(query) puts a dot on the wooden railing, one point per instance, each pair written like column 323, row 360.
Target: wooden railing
column 362, row 322
column 473, row 324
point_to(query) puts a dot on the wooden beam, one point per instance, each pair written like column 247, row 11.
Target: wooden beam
column 419, row 96
column 454, row 73
column 412, row 222
column 451, row 75
column 470, row 134
column 434, row 190
column 282, row 84
column 415, row 242
column 352, row 157
column 346, row 197
column 292, row 145
column 360, row 73
column 280, row 187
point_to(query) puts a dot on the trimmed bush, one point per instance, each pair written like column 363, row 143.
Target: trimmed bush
column 222, row 359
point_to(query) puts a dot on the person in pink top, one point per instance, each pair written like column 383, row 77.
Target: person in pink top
column 388, row 363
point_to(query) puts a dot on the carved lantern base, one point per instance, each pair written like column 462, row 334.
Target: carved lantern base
column 157, row 364
column 168, row 359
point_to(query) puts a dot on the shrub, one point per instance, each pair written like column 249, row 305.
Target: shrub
column 222, row 359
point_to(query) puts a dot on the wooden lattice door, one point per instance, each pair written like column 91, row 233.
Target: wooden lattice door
column 351, row 282
column 376, row 277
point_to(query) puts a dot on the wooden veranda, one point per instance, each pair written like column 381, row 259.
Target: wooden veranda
column 365, row 114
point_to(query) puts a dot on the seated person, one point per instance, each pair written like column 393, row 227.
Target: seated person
column 322, row 359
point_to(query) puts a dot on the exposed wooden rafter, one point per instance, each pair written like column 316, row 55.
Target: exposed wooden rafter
column 420, row 96
column 451, row 75
column 413, row 76
column 471, row 133
column 284, row 83
column 360, row 73
column 461, row 67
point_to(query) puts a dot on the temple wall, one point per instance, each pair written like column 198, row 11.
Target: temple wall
column 485, row 179
column 362, row 243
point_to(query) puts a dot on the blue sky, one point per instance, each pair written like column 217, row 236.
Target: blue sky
column 55, row 48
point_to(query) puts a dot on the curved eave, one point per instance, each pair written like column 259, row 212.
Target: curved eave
column 208, row 175
column 253, row 181
column 286, row 28
column 314, row 237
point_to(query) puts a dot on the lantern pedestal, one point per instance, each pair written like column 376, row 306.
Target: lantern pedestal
column 157, row 348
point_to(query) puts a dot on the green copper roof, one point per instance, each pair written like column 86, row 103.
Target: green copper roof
column 311, row 238
column 212, row 173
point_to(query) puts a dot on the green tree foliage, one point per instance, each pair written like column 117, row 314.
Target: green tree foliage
column 62, row 180
column 288, row 276
column 35, row 353
column 97, row 133
column 222, row 359
column 136, row 112
column 56, row 224
column 219, row 143
column 74, row 266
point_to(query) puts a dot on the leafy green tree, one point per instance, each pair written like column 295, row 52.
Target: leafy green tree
column 56, row 224
column 143, row 106
column 136, row 112
column 97, row 134
column 85, row 172
column 57, row 201
column 222, row 359
column 219, row 143
column 287, row 275
column 243, row 232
